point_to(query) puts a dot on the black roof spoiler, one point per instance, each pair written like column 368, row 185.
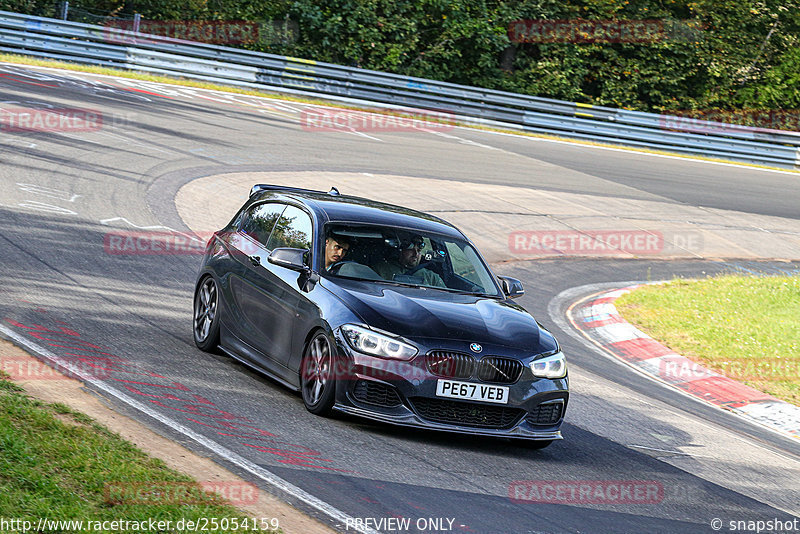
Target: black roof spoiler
column 268, row 187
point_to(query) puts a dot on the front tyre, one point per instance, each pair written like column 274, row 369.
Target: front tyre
column 206, row 317
column 317, row 377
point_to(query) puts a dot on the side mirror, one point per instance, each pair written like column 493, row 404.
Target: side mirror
column 294, row 259
column 511, row 287
column 291, row 258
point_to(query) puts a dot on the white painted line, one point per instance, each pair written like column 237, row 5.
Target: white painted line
column 211, row 445
column 41, row 206
column 19, row 142
column 47, row 191
column 602, row 311
column 781, row 415
column 362, row 134
column 616, row 294
column 107, row 222
column 616, row 333
column 464, row 141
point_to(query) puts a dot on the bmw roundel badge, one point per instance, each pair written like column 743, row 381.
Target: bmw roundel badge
column 474, row 347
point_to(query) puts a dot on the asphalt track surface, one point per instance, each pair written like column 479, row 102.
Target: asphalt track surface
column 63, row 191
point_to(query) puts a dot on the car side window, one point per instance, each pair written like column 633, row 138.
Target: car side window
column 292, row 230
column 260, row 220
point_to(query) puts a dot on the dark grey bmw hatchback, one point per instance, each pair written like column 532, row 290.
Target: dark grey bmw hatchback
column 378, row 311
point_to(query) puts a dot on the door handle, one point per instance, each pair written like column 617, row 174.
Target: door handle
column 255, row 260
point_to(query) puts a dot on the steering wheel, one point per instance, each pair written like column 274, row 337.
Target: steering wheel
column 418, row 267
column 338, row 265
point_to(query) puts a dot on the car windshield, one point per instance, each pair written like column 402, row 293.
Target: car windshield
column 406, row 257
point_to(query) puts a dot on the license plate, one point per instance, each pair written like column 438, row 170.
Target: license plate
column 470, row 391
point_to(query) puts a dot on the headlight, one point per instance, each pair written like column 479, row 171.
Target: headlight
column 554, row 366
column 375, row 344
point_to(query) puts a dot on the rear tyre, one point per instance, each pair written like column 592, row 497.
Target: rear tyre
column 206, row 317
column 317, row 377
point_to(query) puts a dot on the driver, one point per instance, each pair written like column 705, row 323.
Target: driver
column 406, row 260
column 336, row 247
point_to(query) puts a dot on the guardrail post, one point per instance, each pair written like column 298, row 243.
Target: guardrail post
column 64, row 10
column 137, row 19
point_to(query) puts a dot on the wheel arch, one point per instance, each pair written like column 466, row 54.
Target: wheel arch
column 322, row 327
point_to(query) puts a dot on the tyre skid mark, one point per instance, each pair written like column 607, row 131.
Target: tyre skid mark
column 157, row 389
column 103, row 360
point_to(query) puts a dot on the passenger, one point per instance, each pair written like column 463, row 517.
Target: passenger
column 405, row 260
column 336, row 247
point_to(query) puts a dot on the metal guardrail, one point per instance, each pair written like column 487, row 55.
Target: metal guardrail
column 112, row 47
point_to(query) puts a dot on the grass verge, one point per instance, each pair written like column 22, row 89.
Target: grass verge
column 746, row 328
column 122, row 73
column 58, row 463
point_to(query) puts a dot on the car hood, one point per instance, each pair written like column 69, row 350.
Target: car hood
column 430, row 313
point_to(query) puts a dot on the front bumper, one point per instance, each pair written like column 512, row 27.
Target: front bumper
column 404, row 393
